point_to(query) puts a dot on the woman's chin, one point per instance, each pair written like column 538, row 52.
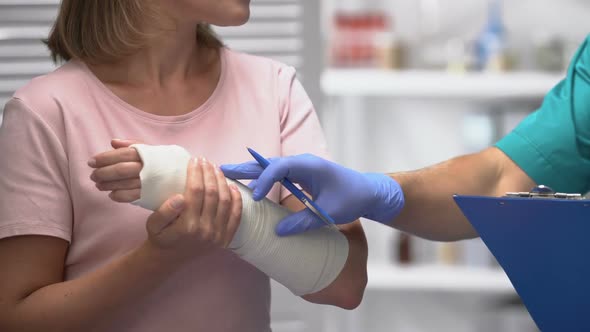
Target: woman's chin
column 236, row 18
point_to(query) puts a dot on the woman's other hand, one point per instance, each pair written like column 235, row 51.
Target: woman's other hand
column 205, row 217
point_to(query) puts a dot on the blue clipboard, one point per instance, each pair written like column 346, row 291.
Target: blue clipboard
column 543, row 245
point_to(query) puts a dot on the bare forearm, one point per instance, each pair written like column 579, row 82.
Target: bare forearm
column 430, row 210
column 347, row 289
column 92, row 302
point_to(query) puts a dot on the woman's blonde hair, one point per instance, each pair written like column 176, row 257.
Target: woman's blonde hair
column 100, row 31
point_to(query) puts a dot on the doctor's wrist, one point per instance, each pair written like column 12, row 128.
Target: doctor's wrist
column 388, row 198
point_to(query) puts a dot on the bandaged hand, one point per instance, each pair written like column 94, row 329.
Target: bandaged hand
column 305, row 264
column 209, row 208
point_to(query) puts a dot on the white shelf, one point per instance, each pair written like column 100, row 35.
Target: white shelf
column 434, row 84
column 435, row 278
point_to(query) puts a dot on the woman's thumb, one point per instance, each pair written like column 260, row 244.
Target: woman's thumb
column 165, row 214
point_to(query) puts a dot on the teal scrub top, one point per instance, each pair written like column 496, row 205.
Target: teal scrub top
column 552, row 145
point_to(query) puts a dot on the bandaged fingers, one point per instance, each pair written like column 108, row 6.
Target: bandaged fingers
column 118, row 171
column 111, row 157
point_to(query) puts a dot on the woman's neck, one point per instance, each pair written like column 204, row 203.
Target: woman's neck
column 173, row 75
column 172, row 56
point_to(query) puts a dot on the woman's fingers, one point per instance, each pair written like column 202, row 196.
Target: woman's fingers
column 235, row 214
column 113, row 157
column 212, row 231
column 117, row 172
column 223, row 205
column 211, row 216
column 127, row 184
column 125, row 196
column 165, row 215
column 194, row 190
column 123, row 143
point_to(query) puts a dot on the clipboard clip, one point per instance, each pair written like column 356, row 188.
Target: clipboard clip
column 543, row 191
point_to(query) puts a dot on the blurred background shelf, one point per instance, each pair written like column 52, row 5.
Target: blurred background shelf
column 439, row 278
column 437, row 84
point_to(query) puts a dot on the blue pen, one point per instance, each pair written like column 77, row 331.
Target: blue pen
column 296, row 192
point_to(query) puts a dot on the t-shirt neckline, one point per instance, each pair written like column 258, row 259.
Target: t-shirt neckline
column 203, row 108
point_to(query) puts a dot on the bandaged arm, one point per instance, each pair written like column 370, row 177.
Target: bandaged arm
column 305, row 263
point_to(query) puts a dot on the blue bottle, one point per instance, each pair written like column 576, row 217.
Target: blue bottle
column 490, row 44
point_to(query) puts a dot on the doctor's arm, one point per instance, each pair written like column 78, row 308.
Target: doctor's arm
column 418, row 202
column 430, row 210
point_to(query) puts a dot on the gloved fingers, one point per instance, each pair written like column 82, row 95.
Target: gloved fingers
column 247, row 170
column 275, row 172
column 301, row 167
column 252, row 184
column 298, row 222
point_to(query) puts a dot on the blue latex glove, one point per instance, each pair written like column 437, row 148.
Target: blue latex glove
column 343, row 193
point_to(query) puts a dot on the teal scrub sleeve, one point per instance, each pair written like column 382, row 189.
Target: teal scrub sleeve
column 552, row 145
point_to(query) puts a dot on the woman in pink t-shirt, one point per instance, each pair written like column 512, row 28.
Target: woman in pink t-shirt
column 72, row 259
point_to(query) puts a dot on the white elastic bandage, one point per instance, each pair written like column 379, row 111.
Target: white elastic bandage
column 304, row 263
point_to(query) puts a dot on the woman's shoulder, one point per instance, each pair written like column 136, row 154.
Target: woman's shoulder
column 44, row 96
column 257, row 65
column 67, row 81
column 260, row 75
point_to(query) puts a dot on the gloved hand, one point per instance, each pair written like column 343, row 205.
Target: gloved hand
column 343, row 193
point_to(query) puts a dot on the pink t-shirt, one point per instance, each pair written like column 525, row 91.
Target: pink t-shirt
column 58, row 121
